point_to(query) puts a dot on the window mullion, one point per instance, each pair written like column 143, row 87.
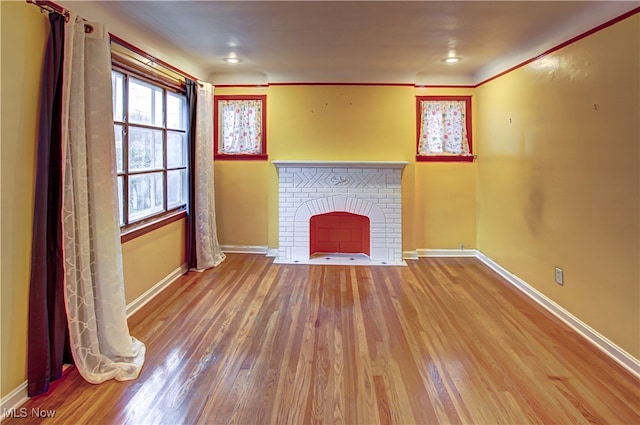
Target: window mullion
column 165, row 180
column 125, row 151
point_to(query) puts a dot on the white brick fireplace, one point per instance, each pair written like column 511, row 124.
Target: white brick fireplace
column 368, row 188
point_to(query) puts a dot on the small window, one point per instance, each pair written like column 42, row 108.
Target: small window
column 444, row 128
column 240, row 127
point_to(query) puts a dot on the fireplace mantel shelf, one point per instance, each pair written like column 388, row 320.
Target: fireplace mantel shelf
column 345, row 164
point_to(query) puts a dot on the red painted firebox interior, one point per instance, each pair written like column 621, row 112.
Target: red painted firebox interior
column 339, row 232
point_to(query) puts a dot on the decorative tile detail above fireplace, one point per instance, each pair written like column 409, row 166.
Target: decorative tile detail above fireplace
column 369, row 188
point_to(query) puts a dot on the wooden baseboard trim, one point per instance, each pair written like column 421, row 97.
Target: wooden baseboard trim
column 616, row 353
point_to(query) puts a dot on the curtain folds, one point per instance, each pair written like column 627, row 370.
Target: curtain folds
column 443, row 128
column 241, row 126
column 204, row 249
column 48, row 339
column 191, row 93
column 94, row 285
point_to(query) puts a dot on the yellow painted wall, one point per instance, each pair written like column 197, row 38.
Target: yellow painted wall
column 558, row 178
column 444, row 198
column 150, row 258
column 324, row 122
column 24, row 31
column 23, row 39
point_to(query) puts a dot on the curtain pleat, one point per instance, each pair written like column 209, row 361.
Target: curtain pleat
column 241, row 126
column 208, row 251
column 94, row 281
column 48, row 339
column 203, row 247
column 191, row 88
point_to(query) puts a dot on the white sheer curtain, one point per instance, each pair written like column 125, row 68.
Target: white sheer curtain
column 208, row 252
column 94, row 285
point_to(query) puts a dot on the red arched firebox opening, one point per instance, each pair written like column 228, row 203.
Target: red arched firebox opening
column 339, row 232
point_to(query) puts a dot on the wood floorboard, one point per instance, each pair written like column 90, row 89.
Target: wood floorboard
column 443, row 340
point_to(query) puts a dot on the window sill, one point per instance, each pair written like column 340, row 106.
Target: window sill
column 144, row 227
column 260, row 157
column 445, row 158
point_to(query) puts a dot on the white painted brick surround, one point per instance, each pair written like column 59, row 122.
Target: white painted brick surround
column 369, row 188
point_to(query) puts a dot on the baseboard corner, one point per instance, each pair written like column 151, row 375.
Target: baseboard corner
column 12, row 401
column 410, row 255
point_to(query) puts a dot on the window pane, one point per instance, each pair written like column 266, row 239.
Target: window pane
column 145, row 103
column 121, row 199
column 145, row 149
column 176, row 188
column 158, row 111
column 176, row 150
column 119, row 131
column 176, row 107
column 117, row 92
column 146, row 195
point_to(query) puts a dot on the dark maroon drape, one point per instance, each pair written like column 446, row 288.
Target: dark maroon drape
column 191, row 222
column 48, row 336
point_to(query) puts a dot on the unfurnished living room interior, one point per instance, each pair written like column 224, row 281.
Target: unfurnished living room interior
column 287, row 212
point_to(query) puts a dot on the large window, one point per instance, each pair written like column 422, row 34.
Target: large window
column 150, row 125
column 240, row 127
column 444, row 128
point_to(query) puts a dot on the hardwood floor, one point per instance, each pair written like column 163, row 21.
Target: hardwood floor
column 439, row 341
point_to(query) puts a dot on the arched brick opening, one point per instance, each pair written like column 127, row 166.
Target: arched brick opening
column 339, row 232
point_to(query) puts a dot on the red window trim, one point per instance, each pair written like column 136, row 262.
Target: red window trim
column 445, row 158
column 261, row 156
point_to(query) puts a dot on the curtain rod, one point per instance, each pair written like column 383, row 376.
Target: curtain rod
column 126, row 44
column 49, row 6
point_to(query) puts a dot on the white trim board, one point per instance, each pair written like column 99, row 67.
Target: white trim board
column 409, row 255
column 150, row 293
column 447, row 252
column 616, row 353
column 13, row 400
column 246, row 249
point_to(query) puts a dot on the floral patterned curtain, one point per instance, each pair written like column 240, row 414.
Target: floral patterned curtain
column 241, row 126
column 443, row 129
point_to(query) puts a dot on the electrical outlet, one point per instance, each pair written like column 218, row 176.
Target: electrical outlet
column 559, row 276
column 461, row 246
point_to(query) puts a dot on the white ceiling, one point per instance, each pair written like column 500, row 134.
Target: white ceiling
column 358, row 41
